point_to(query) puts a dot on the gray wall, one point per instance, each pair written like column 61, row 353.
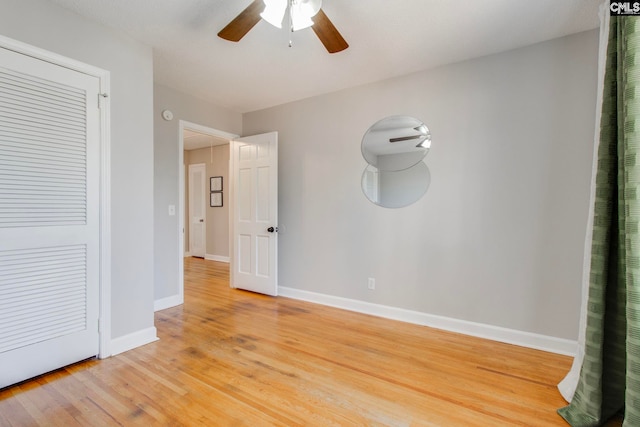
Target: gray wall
column 498, row 238
column 45, row 25
column 165, row 157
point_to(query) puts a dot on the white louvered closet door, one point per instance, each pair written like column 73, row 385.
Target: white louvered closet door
column 49, row 216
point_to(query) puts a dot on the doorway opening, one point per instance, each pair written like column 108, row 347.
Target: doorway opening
column 209, row 148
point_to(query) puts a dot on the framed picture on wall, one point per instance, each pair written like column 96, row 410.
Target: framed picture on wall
column 216, row 199
column 215, row 183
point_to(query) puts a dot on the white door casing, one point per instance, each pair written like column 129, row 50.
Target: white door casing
column 50, row 201
column 254, row 204
column 197, row 210
column 181, row 212
column 183, row 216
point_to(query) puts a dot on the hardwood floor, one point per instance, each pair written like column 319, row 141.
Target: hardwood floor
column 229, row 357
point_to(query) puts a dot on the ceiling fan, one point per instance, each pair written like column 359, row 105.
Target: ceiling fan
column 302, row 14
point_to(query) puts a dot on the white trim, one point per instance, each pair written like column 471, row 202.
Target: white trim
column 494, row 333
column 206, row 130
column 182, row 125
column 187, row 254
column 219, row 258
column 105, row 219
column 168, row 302
column 181, row 216
column 133, row 340
column 104, row 322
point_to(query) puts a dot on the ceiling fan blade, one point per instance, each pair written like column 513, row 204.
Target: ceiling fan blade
column 242, row 23
column 327, row 33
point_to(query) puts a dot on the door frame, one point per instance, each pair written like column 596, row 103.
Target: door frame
column 182, row 125
column 104, row 322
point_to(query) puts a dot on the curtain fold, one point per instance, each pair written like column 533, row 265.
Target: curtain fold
column 609, row 379
column 567, row 386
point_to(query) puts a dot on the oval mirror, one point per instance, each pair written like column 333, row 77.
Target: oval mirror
column 396, row 143
column 396, row 189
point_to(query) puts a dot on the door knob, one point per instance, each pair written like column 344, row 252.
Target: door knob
column 202, row 220
column 271, row 229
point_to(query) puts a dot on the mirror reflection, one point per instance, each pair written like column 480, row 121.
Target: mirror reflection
column 396, row 189
column 396, row 143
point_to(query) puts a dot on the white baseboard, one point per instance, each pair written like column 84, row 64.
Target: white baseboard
column 494, row 333
column 187, row 254
column 216, row 258
column 131, row 341
column 168, row 302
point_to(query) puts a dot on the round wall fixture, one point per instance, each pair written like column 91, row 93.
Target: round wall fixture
column 167, row 115
column 395, row 148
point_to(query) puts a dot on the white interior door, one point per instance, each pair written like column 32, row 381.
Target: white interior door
column 254, row 243
column 49, row 216
column 197, row 210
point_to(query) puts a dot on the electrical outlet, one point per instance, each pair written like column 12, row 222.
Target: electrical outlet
column 372, row 283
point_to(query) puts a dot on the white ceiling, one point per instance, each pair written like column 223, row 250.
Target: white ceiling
column 386, row 38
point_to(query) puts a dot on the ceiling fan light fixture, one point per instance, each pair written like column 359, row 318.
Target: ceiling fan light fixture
column 302, row 11
column 299, row 21
column 274, row 11
column 305, row 13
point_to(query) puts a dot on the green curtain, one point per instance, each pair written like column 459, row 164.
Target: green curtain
column 610, row 374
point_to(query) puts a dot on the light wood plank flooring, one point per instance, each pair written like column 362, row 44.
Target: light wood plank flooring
column 230, row 358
